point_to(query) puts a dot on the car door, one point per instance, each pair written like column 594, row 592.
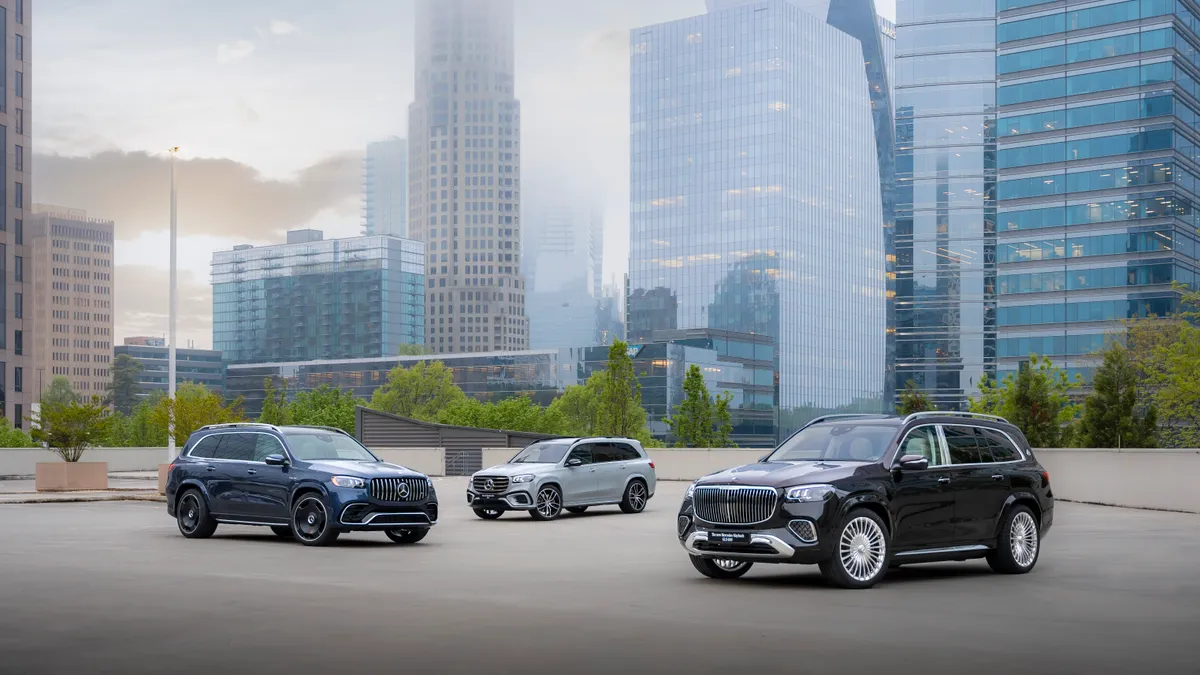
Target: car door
column 266, row 487
column 922, row 502
column 610, row 471
column 969, row 481
column 236, row 452
column 631, row 463
column 1000, row 472
column 579, row 482
column 214, row 473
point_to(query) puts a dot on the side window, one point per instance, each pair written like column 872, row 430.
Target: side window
column 236, row 446
column 962, row 444
column 625, row 453
column 923, row 442
column 1001, row 448
column 604, row 452
column 266, row 444
column 581, row 452
column 205, row 448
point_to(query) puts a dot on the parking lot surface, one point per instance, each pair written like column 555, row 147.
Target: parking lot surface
column 113, row 588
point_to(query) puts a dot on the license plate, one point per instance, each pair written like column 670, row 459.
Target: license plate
column 729, row 538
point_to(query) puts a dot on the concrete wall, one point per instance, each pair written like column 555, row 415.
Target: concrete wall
column 429, row 461
column 1150, row 479
column 22, row 461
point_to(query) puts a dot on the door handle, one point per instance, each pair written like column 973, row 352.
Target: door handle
column 210, row 468
column 252, row 472
column 998, row 477
column 943, row 480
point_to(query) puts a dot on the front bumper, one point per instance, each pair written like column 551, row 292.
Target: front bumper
column 515, row 499
column 797, row 533
column 357, row 510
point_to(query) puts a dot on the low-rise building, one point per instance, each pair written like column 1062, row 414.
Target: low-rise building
column 202, row 366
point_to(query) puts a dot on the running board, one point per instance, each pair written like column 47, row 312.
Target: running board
column 942, row 551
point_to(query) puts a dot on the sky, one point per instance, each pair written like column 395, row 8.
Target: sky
column 272, row 102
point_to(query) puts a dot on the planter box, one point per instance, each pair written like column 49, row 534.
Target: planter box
column 67, row 476
column 162, row 478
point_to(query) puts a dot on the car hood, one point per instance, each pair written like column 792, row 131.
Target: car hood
column 783, row 474
column 362, row 469
column 516, row 469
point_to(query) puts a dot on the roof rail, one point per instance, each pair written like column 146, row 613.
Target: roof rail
column 824, row 418
column 317, row 426
column 228, row 425
column 954, row 413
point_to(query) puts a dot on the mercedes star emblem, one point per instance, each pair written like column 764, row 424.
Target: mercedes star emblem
column 490, row 484
column 403, row 491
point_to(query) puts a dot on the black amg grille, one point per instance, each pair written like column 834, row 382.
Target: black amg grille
column 399, row 489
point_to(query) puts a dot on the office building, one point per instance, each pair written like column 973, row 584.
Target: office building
column 564, row 261
column 145, row 341
column 945, row 236
column 315, row 298
column 16, row 114
column 71, row 300
column 201, row 366
column 1098, row 164
column 385, row 188
column 887, row 43
column 760, row 181
column 465, row 176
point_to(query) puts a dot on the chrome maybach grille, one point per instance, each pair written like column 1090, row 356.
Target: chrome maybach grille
column 490, row 483
column 399, row 489
column 734, row 504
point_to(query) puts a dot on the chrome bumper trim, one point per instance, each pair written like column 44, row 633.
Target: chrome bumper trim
column 782, row 549
column 367, row 521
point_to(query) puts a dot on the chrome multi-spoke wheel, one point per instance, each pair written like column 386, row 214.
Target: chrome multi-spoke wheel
column 310, row 521
column 861, row 557
column 192, row 516
column 636, row 496
column 1023, row 539
column 548, row 503
column 1019, row 543
column 721, row 568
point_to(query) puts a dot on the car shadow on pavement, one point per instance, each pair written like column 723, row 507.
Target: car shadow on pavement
column 342, row 542
column 809, row 576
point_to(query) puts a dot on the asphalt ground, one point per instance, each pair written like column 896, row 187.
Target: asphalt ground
column 113, row 588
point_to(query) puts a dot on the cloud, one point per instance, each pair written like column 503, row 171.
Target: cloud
column 141, row 304
column 218, row 197
column 234, row 52
column 282, row 27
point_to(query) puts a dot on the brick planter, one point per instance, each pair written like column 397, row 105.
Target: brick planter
column 69, row 476
column 162, row 478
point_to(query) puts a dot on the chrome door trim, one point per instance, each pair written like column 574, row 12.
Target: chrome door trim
column 946, row 550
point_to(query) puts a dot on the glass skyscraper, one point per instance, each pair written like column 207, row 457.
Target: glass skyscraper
column 760, row 180
column 315, row 298
column 385, row 188
column 945, row 235
column 1097, row 158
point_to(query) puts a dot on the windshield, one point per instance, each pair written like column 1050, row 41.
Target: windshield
column 542, row 452
column 312, row 447
column 837, row 442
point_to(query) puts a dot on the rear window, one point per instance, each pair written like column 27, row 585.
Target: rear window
column 837, row 442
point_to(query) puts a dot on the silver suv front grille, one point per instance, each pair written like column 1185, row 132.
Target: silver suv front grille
column 399, row 489
column 734, row 504
column 490, row 483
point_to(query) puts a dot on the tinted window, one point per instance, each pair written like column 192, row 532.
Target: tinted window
column 962, row 444
column 265, row 445
column 922, row 442
column 625, row 453
column 1002, row 449
column 583, row 453
column 236, row 446
column 204, row 448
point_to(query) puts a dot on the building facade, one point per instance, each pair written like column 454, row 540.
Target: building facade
column 564, row 262
column 315, row 298
column 1098, row 164
column 740, row 218
column 945, row 235
column 385, row 188
column 202, row 366
column 71, row 300
column 17, row 390
column 465, row 176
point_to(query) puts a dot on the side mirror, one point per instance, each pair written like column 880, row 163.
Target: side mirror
column 913, row 463
column 574, row 461
column 275, row 460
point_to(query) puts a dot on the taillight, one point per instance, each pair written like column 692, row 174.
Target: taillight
column 1045, row 479
column 651, row 465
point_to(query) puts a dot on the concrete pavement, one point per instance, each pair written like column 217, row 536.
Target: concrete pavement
column 113, row 588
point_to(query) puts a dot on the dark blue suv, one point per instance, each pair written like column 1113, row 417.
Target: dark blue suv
column 307, row 483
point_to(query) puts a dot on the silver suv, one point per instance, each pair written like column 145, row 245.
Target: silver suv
column 571, row 473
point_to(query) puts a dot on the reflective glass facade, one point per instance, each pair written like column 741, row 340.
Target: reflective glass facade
column 760, row 179
column 945, row 242
column 318, row 299
column 202, row 366
column 1097, row 171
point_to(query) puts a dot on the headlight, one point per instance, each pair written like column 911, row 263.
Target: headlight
column 808, row 493
column 523, row 478
column 691, row 489
column 348, row 481
column 429, row 482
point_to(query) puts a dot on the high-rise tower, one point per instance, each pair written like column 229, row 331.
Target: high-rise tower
column 385, row 188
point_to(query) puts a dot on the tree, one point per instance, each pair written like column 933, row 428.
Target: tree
column 1037, row 400
column 276, row 409
column 59, row 392
column 420, row 391
column 324, row 406
column 138, row 429
column 515, row 413
column 724, row 422
column 1165, row 353
column 692, row 423
column 913, row 400
column 620, row 411
column 1111, row 416
column 124, row 389
column 407, row 349
column 11, row 437
column 71, row 427
column 578, row 407
column 194, row 406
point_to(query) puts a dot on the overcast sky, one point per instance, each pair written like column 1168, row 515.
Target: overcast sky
column 272, row 102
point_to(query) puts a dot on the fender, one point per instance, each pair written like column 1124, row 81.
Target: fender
column 184, row 485
column 305, row 484
column 637, row 476
column 873, row 498
column 1022, row 495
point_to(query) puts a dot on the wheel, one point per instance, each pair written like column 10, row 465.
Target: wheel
column 407, row 536
column 548, row 504
column 282, row 531
column 861, row 557
column 635, row 498
column 488, row 514
column 1019, row 542
column 577, row 509
column 192, row 516
column 720, row 568
column 310, row 521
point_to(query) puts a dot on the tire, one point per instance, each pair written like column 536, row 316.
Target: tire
column 192, row 516
column 577, row 509
column 862, row 551
column 723, row 569
column 311, row 524
column 488, row 514
column 407, row 536
column 636, row 496
column 1019, row 543
column 282, row 531
column 547, row 505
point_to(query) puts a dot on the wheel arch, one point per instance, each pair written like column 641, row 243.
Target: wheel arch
column 303, row 489
column 1020, row 499
column 189, row 484
column 870, row 502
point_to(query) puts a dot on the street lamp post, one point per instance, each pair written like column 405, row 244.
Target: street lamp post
column 171, row 345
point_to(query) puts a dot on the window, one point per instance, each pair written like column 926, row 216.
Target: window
column 19, row 84
column 19, row 158
column 19, row 11
column 843, row 442
column 962, row 444
column 583, row 453
column 20, row 121
column 17, row 379
column 19, row 226
column 206, row 447
column 19, row 50
column 236, row 446
column 18, row 305
column 922, row 442
column 19, row 416
column 267, row 444
column 314, row 446
column 19, row 196
column 18, row 268
column 18, row 342
column 625, row 453
column 1000, row 448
